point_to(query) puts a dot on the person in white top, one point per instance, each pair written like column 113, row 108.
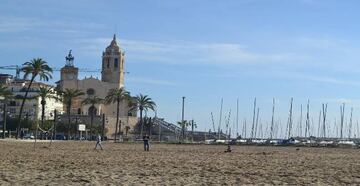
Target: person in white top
column 98, row 142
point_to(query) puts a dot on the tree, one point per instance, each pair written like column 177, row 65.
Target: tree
column 5, row 94
column 127, row 128
column 35, row 67
column 184, row 125
column 193, row 126
column 143, row 103
column 92, row 101
column 45, row 93
column 148, row 124
column 116, row 96
column 67, row 97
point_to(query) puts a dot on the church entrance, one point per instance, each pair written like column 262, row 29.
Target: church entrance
column 92, row 110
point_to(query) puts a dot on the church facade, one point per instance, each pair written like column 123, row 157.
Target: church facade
column 112, row 76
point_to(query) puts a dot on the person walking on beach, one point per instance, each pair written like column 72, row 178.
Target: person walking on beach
column 22, row 134
column 146, row 142
column 98, row 142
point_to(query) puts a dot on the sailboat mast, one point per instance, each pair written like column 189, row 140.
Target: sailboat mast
column 213, row 123
column 307, row 127
column 237, row 117
column 221, row 106
column 272, row 120
column 350, row 123
column 253, row 121
column 290, row 119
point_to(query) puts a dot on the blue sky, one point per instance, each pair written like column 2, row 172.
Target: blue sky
column 204, row 50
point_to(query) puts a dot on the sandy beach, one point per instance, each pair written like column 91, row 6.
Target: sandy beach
column 76, row 163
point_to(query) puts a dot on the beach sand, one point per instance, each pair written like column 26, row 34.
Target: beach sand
column 76, row 163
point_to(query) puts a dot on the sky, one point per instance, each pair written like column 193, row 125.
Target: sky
column 205, row 50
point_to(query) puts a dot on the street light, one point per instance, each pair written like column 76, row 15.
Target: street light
column 182, row 118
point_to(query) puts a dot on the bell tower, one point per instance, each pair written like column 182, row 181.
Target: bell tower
column 113, row 61
column 69, row 74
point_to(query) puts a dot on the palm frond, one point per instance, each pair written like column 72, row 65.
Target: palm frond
column 92, row 101
column 37, row 67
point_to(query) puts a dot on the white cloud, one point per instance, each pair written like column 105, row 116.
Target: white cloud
column 313, row 78
column 10, row 24
column 324, row 43
column 331, row 80
column 146, row 80
column 186, row 52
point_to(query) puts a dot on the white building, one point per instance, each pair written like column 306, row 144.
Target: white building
column 32, row 107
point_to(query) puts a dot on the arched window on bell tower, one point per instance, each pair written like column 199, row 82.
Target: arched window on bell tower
column 116, row 63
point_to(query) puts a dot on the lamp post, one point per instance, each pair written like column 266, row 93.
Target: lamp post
column 104, row 121
column 103, row 126
column 53, row 135
column 4, row 118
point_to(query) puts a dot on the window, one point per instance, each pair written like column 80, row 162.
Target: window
column 108, row 63
column 12, row 110
column 116, row 63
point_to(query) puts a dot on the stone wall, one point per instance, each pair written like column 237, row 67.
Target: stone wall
column 125, row 121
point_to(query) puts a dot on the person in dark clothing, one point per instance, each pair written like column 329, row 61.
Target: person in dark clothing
column 22, row 134
column 146, row 139
column 228, row 148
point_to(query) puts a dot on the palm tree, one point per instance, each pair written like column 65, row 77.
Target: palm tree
column 184, row 125
column 94, row 100
column 148, row 124
column 68, row 97
column 45, row 93
column 35, row 67
column 6, row 94
column 193, row 126
column 143, row 103
column 116, row 96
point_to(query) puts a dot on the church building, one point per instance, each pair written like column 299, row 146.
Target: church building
column 112, row 76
